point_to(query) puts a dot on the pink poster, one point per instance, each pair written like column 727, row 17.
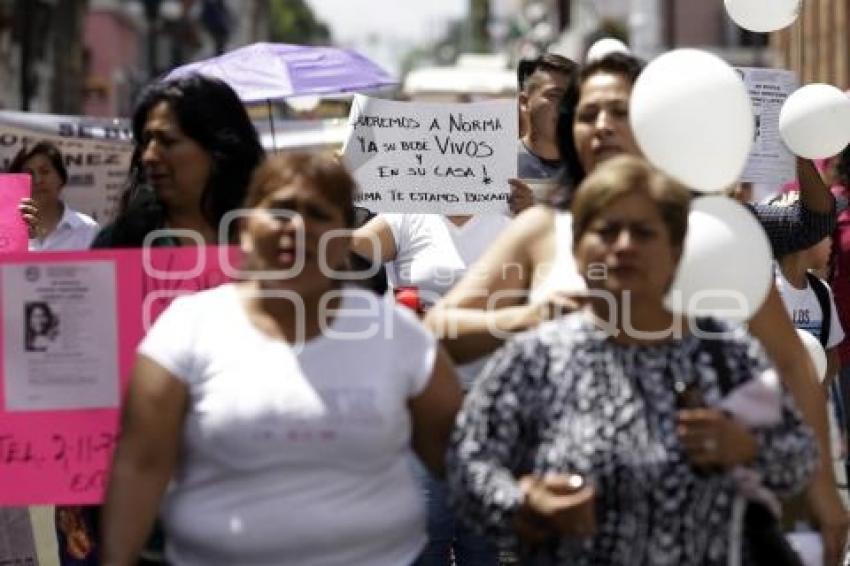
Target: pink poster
column 71, row 324
column 13, row 230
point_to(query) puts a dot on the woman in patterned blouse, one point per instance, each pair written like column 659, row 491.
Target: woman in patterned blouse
column 598, row 438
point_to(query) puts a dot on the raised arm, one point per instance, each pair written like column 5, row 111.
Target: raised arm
column 491, row 301
column 814, row 194
column 772, row 326
column 374, row 241
column 144, row 460
column 804, row 223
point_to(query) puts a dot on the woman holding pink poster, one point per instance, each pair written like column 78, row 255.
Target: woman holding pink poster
column 53, row 224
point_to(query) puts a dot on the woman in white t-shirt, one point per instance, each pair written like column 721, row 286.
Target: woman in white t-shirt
column 283, row 408
column 427, row 254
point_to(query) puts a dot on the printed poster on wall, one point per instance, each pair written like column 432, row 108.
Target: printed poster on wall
column 432, row 158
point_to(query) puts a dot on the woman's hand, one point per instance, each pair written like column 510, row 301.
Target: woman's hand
column 712, row 439
column 521, row 196
column 561, row 303
column 832, row 520
column 79, row 544
column 29, row 212
column 527, row 316
column 557, row 504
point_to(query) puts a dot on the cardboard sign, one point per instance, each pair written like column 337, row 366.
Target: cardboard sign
column 60, row 396
column 432, row 158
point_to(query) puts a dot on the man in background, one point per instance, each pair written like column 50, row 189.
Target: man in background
column 542, row 83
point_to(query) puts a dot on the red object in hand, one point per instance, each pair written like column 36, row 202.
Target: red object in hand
column 409, row 297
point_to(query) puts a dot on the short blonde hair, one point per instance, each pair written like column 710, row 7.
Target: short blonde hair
column 623, row 175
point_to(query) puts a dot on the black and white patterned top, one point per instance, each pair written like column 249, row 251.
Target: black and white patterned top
column 564, row 398
column 793, row 228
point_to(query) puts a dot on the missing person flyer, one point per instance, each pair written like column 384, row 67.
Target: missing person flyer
column 60, row 337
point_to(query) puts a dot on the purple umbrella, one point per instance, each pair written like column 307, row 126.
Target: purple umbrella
column 267, row 71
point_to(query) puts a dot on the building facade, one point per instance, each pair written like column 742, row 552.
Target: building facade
column 113, row 38
column 817, row 45
column 654, row 26
column 92, row 56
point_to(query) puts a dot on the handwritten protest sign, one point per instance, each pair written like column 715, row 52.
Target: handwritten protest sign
column 432, row 158
column 769, row 161
column 58, row 450
column 13, row 229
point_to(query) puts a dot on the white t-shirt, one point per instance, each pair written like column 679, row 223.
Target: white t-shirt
column 433, row 254
column 805, row 311
column 75, row 231
column 294, row 456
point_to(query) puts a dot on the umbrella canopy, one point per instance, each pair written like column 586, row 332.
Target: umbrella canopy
column 268, row 71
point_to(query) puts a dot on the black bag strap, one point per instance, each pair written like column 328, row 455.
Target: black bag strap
column 822, row 293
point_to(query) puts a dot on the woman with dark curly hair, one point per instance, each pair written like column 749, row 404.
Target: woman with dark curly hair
column 41, row 328
column 195, row 151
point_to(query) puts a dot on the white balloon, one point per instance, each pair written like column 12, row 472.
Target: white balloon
column 763, row 15
column 692, row 117
column 816, row 351
column 726, row 268
column 603, row 47
column 815, row 121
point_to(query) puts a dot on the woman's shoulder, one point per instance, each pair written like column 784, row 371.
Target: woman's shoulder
column 563, row 334
column 205, row 304
column 115, row 235
column 529, row 235
column 406, row 227
column 549, row 355
column 105, row 237
column 372, row 320
column 131, row 226
column 81, row 219
column 536, row 221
